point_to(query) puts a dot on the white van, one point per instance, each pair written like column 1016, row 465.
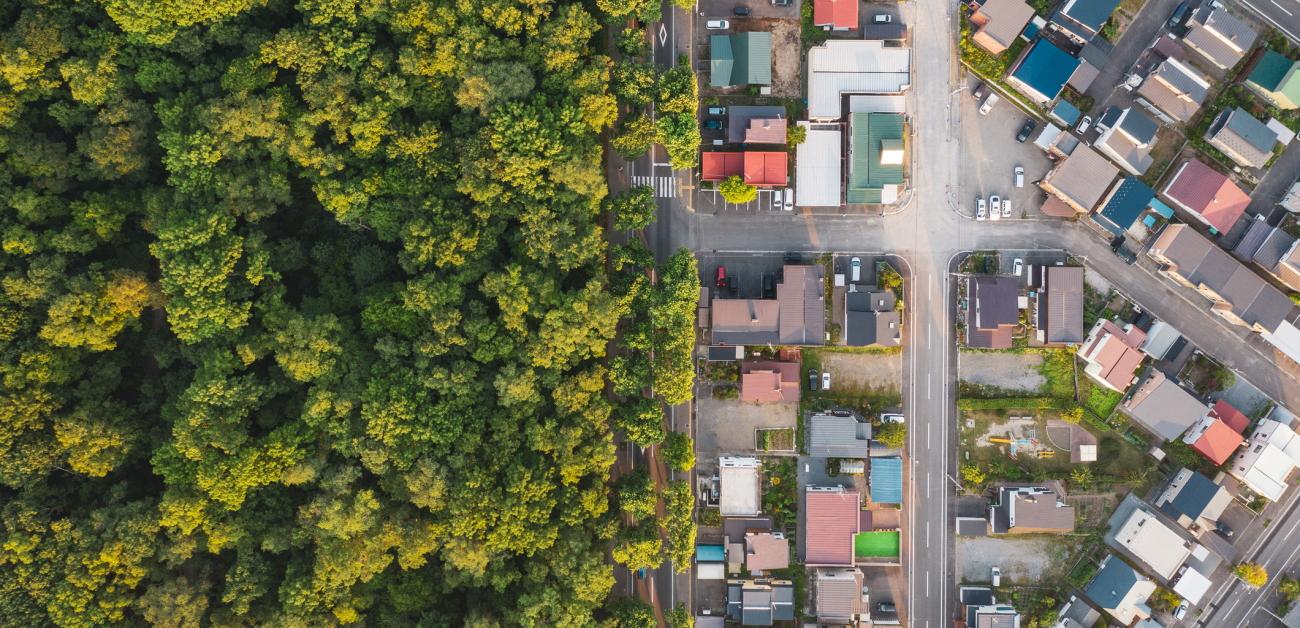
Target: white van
column 789, row 199
column 855, row 268
column 717, row 25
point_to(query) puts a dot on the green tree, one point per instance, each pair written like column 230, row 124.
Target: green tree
column 796, row 134
column 681, row 617
column 892, row 435
column 639, row 548
column 680, row 135
column 635, row 137
column 1081, row 478
column 631, row 613
column 1288, row 588
column 679, row 524
column 1073, row 415
column 734, row 190
column 634, row 83
column 1253, row 574
column 636, row 495
column 679, row 451
column 633, row 209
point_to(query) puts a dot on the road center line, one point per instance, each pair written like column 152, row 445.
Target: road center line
column 928, row 392
column 1279, row 7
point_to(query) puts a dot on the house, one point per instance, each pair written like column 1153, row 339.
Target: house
column 841, row 599
column 993, row 616
column 1081, row 179
column 1276, row 79
column 1173, row 91
column 740, row 59
column 1266, row 462
column 1242, row 137
column 1161, row 338
column 765, row 551
column 853, row 66
column 1064, row 113
column 1159, row 547
column 817, row 166
column 876, row 157
column 831, row 521
column 1127, row 137
column 1208, row 195
column 752, row 124
column 1120, row 590
column 795, row 317
column 1091, row 59
column 1124, row 205
column 710, row 562
column 1273, row 249
column 993, row 312
column 1163, row 407
column 1060, row 305
column 1216, row 438
column 760, row 602
column 1042, row 71
column 769, row 382
column 999, row 22
column 838, row 15
column 1220, row 37
column 1194, row 501
column 740, row 485
column 1031, row 510
column 1081, row 20
column 1112, row 354
column 831, row 436
column 757, row 168
column 887, row 480
column 870, row 318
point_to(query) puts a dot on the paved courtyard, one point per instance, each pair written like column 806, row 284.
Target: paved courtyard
column 1022, row 560
column 1008, row 371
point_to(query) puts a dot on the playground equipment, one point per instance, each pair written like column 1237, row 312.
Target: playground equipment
column 1047, row 453
column 1004, row 441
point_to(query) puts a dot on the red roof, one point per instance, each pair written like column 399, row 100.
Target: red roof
column 715, row 166
column 769, row 382
column 1218, row 442
column 831, row 521
column 1209, row 193
column 836, row 13
column 765, row 168
column 1233, row 417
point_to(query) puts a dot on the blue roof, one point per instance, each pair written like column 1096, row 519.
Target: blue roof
column 1090, row 13
column 887, row 480
column 1046, row 68
column 1112, row 582
column 1066, row 113
column 710, row 553
column 1195, row 495
column 1125, row 205
column 1031, row 29
column 1158, row 206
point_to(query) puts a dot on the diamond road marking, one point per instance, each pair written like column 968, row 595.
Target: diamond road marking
column 663, row 34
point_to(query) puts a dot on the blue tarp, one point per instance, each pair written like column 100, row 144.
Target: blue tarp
column 710, row 553
column 887, row 480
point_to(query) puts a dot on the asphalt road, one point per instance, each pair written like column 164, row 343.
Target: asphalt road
column 1283, row 15
column 1276, row 548
column 1140, row 33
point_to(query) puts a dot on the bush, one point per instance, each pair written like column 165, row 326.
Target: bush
column 1016, row 403
column 1073, row 415
column 795, row 135
column 892, row 435
column 734, row 190
column 974, row 476
column 1288, row 588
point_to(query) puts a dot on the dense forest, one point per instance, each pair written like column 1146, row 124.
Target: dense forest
column 304, row 314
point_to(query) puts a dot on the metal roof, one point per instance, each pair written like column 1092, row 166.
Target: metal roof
column 866, row 172
column 1045, row 68
column 1128, row 200
column 887, row 480
column 740, row 59
column 838, row 437
column 817, row 167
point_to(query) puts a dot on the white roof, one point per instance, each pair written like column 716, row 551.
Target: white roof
column 1286, row 338
column 1268, row 459
column 710, row 571
column 1157, row 545
column 1284, row 134
column 1160, row 338
column 878, row 103
column 1049, row 134
column 1087, row 453
column 1192, row 586
column 845, row 66
column 817, row 168
column 738, row 478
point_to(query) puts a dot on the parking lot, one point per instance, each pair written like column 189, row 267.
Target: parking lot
column 745, row 272
column 991, row 152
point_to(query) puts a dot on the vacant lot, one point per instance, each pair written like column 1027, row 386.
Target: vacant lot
column 729, row 425
column 1005, row 370
column 1022, row 560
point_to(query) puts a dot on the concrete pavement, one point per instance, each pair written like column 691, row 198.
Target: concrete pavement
column 1140, row 33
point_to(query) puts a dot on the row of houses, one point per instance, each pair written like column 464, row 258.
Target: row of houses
column 995, row 302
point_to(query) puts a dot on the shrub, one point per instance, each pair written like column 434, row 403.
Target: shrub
column 734, row 190
column 795, row 135
column 892, row 435
column 1253, row 574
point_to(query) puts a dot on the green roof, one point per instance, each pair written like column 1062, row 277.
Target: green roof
column 871, row 132
column 740, row 59
column 1275, row 77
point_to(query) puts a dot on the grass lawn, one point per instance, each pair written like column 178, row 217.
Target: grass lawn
column 778, row 439
column 1118, row 461
column 881, row 544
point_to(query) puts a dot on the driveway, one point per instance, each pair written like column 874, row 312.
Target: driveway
column 726, row 426
column 1022, row 560
column 1139, row 34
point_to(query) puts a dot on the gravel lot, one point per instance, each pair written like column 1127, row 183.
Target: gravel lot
column 858, row 370
column 1010, row 371
column 1021, row 560
column 727, row 426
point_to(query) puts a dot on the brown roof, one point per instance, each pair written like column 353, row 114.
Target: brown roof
column 1039, row 513
column 745, row 321
column 1081, row 179
column 1178, row 105
column 1064, row 295
column 1054, row 206
column 831, row 522
column 766, row 131
column 803, row 310
column 839, row 595
column 1001, row 22
column 1207, row 193
column 763, row 551
column 769, row 382
column 993, row 312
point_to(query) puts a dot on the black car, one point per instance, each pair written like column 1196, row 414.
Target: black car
column 769, row 286
column 742, row 10
column 812, row 379
column 1178, row 17
column 1223, row 529
column 1025, row 130
column 978, row 92
column 713, row 124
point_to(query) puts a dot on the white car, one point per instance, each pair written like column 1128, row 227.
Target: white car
column 891, row 418
column 1006, row 208
column 997, row 576
column 981, row 209
column 855, row 269
column 1181, row 611
column 1020, row 176
column 1084, row 124
column 1018, row 267
column 988, row 104
column 789, row 199
column 776, row 199
column 995, row 207
column 826, row 380
column 717, row 25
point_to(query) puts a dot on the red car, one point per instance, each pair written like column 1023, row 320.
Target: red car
column 722, row 277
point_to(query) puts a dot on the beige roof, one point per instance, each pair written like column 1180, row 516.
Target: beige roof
column 765, row 551
column 839, row 595
column 745, row 321
column 1163, row 407
column 1081, row 179
column 1153, row 542
column 1002, row 22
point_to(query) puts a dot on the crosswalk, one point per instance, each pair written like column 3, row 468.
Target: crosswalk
column 665, row 187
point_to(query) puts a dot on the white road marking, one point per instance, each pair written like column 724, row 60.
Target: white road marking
column 663, row 34
column 664, row 187
column 927, row 524
column 1279, row 7
column 927, row 584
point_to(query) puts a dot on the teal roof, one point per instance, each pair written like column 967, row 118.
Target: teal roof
column 867, row 176
column 887, row 480
column 1276, row 75
column 740, row 59
column 1066, row 113
column 1045, row 68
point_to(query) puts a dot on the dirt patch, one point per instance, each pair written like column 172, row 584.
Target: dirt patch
column 728, row 426
column 1004, row 370
column 1066, row 437
column 1024, row 561
column 1091, row 511
column 787, row 53
column 1097, row 282
column 850, row 371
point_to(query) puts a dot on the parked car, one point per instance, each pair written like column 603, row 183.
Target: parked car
column 1025, row 130
column 981, row 210
column 826, row 380
column 1179, row 16
column 741, row 10
column 1223, row 529
column 997, row 576
column 722, row 277
column 717, row 25
column 769, row 285
column 713, row 124
column 1020, row 176
column 886, row 607
column 776, row 199
column 718, row 111
column 891, row 418
column 812, row 379
column 978, row 92
column 882, row 18
column 781, row 3
column 995, row 207
column 1181, row 611
column 1018, row 267
column 855, row 269
column 1084, row 124
column 789, row 199
column 988, row 104
column 1006, row 208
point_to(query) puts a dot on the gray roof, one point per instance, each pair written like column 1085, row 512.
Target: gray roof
column 972, row 526
column 838, row 599
column 803, row 310
column 870, row 319
column 1139, row 126
column 1062, row 316
column 838, row 437
column 993, row 307
column 1274, row 248
column 1247, row 140
column 1172, row 90
column 1192, row 498
column 1163, row 407
column 738, row 117
column 1036, row 508
column 1219, row 35
column 1254, row 239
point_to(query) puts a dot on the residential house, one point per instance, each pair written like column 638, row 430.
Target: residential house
column 1216, row 438
column 1173, row 91
column 1276, row 79
column 1126, row 202
column 757, row 168
column 831, row 521
column 1080, row 180
column 1031, row 510
column 1161, row 338
column 1092, row 58
column 1163, row 407
column 1060, row 305
column 769, row 382
column 840, row 597
column 1273, row 249
column 1113, row 354
column 710, row 562
column 760, row 602
column 887, row 480
column 1121, row 591
column 993, row 616
column 1266, row 462
column 1242, row 137
column 1064, row 113
column 740, row 59
column 837, row 15
column 1042, row 71
column 831, row 436
column 1220, row 37
column 1159, row 547
column 740, row 485
column 797, row 315
column 755, row 124
column 1127, row 137
column 1207, row 194
column 876, row 158
column 818, row 166
column 993, row 311
column 1194, row 501
column 765, row 551
column 999, row 23
column 853, row 66
column 1082, row 20
column 870, row 318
